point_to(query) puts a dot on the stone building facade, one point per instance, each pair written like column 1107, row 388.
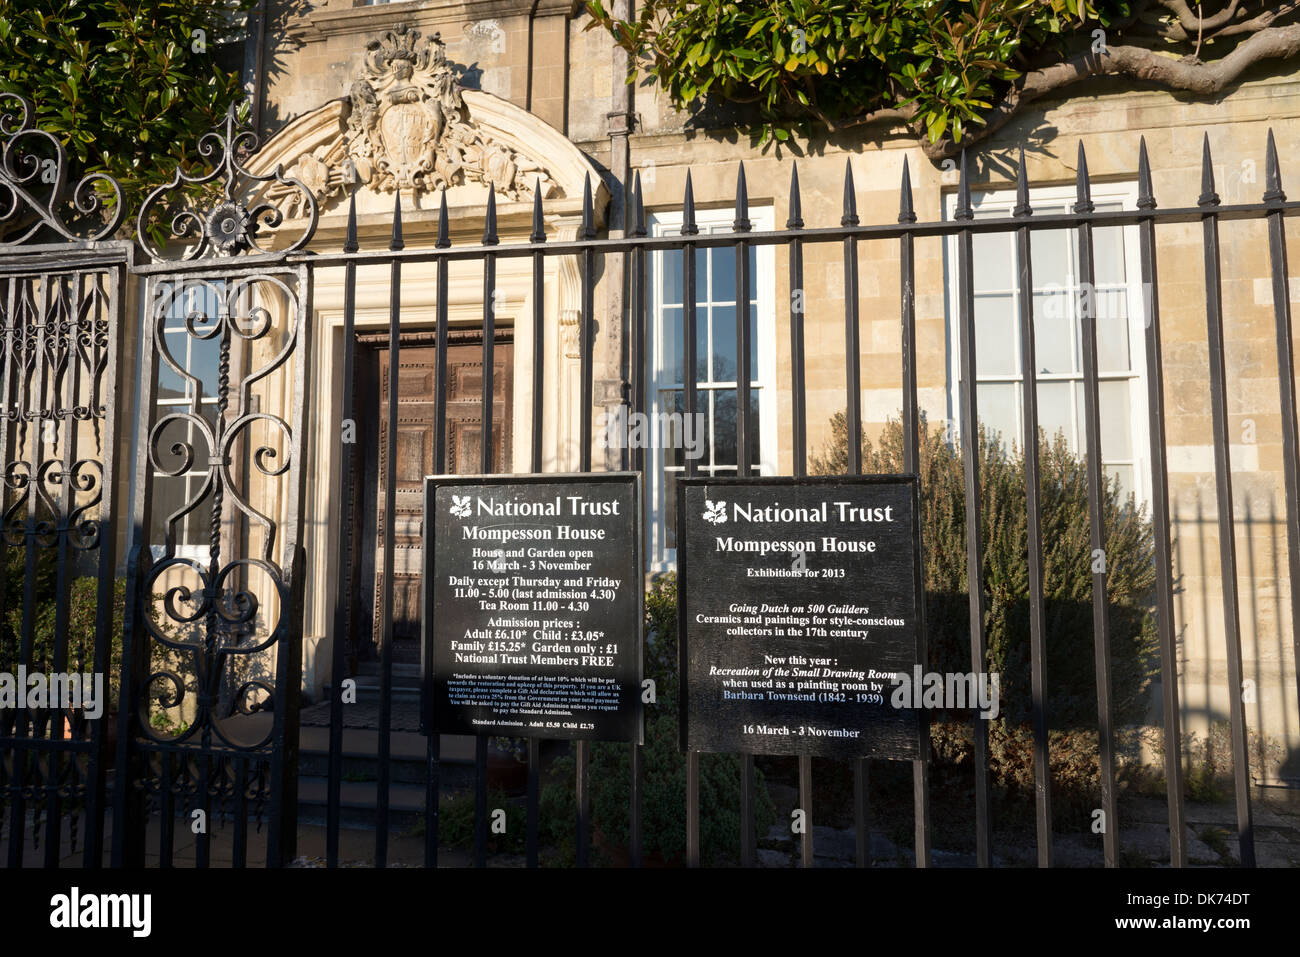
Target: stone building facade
column 517, row 94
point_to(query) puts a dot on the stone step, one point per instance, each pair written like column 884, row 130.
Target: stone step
column 400, row 670
column 407, row 756
column 369, row 683
column 357, row 803
column 359, row 789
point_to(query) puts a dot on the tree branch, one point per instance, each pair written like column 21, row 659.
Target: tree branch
column 1185, row 75
column 1191, row 22
column 1257, row 23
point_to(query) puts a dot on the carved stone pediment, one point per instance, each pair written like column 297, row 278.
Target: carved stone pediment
column 408, row 126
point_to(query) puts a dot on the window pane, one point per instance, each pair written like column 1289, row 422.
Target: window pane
column 723, row 319
column 1054, row 411
column 670, row 508
column 1108, row 252
column 1048, row 254
column 724, row 426
column 1112, row 331
column 205, row 354
column 1116, row 433
column 1124, row 475
column 997, row 408
column 197, row 531
column 724, row 343
column 992, row 259
column 671, row 290
column 723, row 288
column 170, row 383
column 670, row 346
column 995, row 336
column 701, row 275
column 168, row 497
column 1116, row 438
column 753, row 432
column 701, row 344
column 670, row 402
column 753, row 342
column 1051, row 333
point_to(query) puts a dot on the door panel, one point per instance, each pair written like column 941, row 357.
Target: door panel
column 416, row 430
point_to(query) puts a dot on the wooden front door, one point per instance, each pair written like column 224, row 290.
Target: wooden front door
column 417, row 391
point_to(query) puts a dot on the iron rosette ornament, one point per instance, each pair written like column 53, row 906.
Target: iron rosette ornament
column 35, row 194
column 229, row 226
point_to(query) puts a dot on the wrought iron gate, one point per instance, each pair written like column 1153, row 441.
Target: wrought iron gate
column 62, row 292
column 214, row 619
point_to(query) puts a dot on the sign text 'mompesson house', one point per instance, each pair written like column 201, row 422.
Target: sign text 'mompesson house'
column 823, row 514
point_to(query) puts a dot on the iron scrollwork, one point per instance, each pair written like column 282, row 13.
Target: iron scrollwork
column 34, row 190
column 69, row 344
column 228, row 226
column 209, row 611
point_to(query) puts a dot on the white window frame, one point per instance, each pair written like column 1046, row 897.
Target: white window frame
column 1003, row 201
column 174, row 331
column 659, row 557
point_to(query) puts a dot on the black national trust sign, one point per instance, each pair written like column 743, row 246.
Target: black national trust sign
column 799, row 601
column 533, row 597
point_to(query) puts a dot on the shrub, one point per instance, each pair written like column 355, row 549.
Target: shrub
column 1071, row 701
column 1067, row 572
column 83, row 605
column 663, row 767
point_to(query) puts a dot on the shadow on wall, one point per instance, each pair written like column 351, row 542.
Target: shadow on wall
column 1268, row 665
column 1071, row 701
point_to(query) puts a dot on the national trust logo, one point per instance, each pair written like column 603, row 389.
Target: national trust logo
column 715, row 512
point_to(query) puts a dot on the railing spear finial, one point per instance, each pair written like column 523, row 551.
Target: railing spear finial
column 538, row 235
column 396, row 242
column 850, row 217
column 689, row 228
column 1023, row 208
column 490, row 219
column 1209, row 196
column 1272, row 174
column 741, row 224
column 906, row 212
column 1083, row 185
column 444, row 228
column 795, row 218
column 1146, row 196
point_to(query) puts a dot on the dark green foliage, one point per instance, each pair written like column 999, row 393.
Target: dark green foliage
column 951, row 71
column 942, row 65
column 663, row 781
column 128, row 86
column 82, row 608
column 1067, row 561
column 1071, row 701
column 456, row 823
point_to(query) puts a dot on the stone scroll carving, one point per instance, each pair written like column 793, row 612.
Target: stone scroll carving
column 409, row 128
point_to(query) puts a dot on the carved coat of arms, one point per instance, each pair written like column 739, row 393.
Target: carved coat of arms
column 409, row 128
